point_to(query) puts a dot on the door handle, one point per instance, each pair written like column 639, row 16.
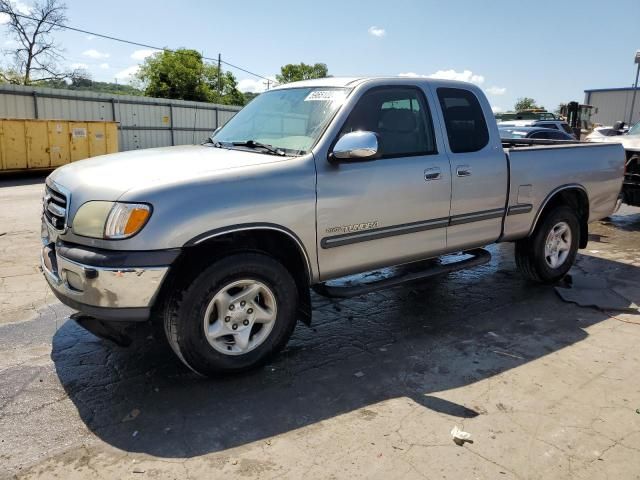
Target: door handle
column 463, row 170
column 432, row 173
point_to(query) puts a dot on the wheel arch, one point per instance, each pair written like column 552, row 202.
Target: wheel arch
column 274, row 240
column 573, row 195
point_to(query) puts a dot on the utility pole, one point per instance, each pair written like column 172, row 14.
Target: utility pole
column 635, row 89
column 219, row 75
column 267, row 83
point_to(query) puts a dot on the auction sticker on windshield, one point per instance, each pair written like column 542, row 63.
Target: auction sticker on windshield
column 325, row 95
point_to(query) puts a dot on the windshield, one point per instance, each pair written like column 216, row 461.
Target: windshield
column 291, row 120
column 635, row 130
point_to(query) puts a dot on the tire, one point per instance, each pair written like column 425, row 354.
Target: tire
column 238, row 295
column 531, row 253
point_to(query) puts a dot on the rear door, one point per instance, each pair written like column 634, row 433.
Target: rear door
column 393, row 209
column 478, row 169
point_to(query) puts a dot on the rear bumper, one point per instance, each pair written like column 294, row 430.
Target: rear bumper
column 106, row 284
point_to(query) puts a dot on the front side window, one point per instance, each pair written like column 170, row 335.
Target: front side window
column 465, row 123
column 400, row 118
column 291, row 119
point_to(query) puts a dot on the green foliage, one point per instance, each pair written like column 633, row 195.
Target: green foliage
column 525, row 103
column 183, row 75
column 86, row 84
column 296, row 72
column 11, row 76
column 248, row 96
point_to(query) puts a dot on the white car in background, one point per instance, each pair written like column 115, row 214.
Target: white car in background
column 631, row 142
column 553, row 124
column 607, row 134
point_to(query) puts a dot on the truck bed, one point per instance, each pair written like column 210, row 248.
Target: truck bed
column 538, row 170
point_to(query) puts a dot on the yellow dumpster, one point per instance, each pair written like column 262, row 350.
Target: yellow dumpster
column 46, row 144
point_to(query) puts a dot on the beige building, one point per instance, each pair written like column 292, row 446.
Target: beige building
column 612, row 104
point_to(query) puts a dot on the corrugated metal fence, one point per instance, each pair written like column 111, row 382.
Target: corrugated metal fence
column 144, row 122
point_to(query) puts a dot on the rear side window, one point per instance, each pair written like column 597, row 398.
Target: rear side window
column 466, row 127
column 558, row 135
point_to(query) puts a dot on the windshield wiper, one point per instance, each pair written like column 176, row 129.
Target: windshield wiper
column 253, row 144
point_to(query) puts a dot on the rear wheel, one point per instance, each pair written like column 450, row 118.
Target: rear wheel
column 550, row 252
column 234, row 316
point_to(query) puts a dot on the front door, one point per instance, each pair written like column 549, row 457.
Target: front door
column 393, row 209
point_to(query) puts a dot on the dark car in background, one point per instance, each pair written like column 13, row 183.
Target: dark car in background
column 534, row 133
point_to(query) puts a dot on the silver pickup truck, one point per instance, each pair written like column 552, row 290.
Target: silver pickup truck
column 312, row 181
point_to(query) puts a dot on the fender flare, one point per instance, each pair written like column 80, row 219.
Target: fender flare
column 551, row 195
column 203, row 237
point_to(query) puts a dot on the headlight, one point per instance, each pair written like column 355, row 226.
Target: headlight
column 110, row 220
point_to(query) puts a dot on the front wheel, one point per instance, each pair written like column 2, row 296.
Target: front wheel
column 549, row 253
column 234, row 316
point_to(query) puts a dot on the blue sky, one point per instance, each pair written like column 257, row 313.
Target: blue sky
column 548, row 50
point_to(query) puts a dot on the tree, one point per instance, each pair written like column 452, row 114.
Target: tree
column 182, row 74
column 525, row 103
column 301, row 71
column 37, row 55
column 248, row 96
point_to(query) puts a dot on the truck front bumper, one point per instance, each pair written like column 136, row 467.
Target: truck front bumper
column 106, row 284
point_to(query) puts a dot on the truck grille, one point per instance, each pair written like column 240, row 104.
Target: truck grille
column 55, row 207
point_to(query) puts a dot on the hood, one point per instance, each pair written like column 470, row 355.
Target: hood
column 109, row 176
column 629, row 142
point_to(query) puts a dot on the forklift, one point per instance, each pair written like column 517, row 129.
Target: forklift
column 578, row 117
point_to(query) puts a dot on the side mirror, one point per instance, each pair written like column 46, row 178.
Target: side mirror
column 355, row 146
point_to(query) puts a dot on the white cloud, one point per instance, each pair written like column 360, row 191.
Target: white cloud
column 80, row 66
column 90, row 37
column 496, row 109
column 496, row 90
column 257, row 85
column 104, row 66
column 464, row 76
column 128, row 73
column 20, row 7
column 377, row 31
column 95, row 54
column 142, row 54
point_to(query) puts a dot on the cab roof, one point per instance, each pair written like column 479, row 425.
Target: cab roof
column 354, row 81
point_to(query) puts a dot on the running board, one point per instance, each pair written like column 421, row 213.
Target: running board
column 479, row 256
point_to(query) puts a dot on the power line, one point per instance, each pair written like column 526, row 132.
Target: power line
column 138, row 44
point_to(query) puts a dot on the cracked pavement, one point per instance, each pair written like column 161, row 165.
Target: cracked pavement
column 547, row 389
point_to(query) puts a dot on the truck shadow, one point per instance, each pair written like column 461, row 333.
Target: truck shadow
column 410, row 342
column 628, row 219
